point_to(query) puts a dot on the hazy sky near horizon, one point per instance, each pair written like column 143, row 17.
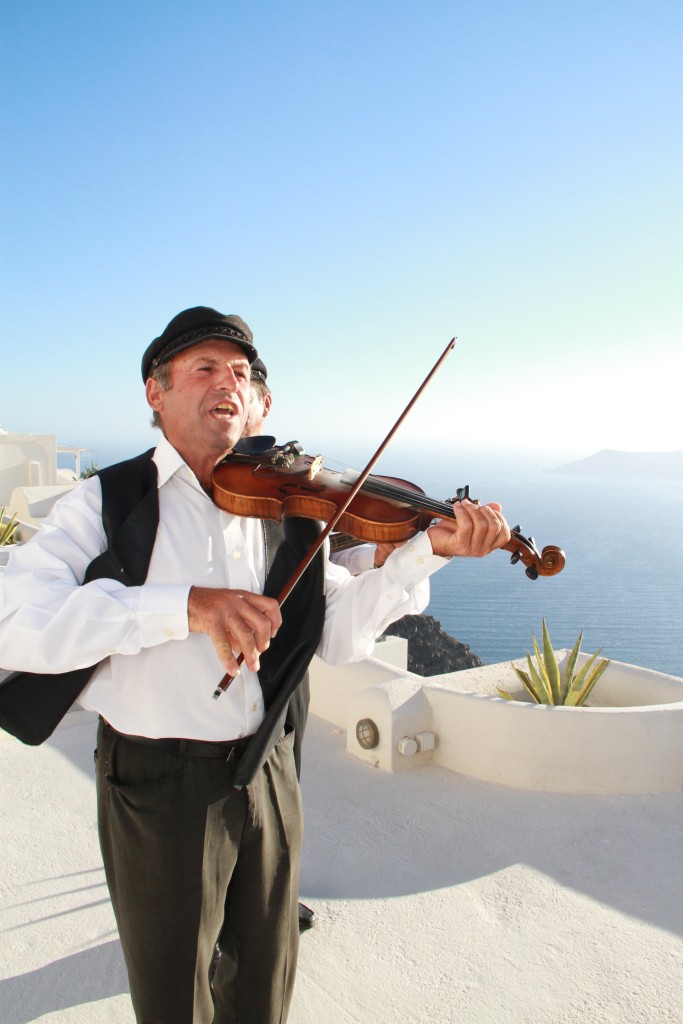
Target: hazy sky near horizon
column 360, row 182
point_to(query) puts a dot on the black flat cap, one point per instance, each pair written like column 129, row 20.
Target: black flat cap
column 200, row 323
column 258, row 370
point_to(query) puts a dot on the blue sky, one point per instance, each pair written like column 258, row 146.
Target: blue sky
column 360, row 182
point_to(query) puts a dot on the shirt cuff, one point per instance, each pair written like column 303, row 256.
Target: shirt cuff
column 162, row 614
column 414, row 561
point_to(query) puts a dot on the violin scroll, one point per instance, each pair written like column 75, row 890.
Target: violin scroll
column 547, row 562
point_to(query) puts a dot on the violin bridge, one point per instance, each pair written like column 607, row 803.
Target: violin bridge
column 315, row 467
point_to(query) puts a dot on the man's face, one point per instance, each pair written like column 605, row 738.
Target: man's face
column 204, row 411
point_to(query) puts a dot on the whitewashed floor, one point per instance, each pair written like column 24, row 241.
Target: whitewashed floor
column 441, row 899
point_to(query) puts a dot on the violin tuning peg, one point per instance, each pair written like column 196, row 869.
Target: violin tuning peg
column 532, row 572
column 462, row 494
column 516, row 529
column 286, row 454
column 515, row 557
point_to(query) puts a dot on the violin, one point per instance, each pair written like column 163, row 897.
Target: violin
column 260, row 479
column 280, row 480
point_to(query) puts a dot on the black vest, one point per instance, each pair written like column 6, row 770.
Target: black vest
column 32, row 705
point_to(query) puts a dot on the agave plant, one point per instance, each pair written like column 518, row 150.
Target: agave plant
column 545, row 682
column 7, row 528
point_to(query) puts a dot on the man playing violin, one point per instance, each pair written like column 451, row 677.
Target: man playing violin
column 199, row 807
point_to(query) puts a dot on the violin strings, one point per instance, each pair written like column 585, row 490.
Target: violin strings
column 413, row 498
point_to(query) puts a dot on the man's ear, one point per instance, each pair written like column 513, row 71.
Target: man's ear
column 153, row 393
column 267, row 402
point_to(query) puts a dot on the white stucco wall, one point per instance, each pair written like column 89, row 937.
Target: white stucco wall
column 631, row 746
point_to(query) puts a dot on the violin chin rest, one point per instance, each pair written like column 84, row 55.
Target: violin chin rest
column 254, row 445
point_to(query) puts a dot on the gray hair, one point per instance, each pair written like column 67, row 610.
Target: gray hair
column 162, row 375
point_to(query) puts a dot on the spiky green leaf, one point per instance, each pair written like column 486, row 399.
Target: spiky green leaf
column 525, row 679
column 582, row 696
column 552, row 669
column 579, row 680
column 538, row 674
column 539, row 660
column 568, row 673
column 537, row 684
column 505, row 694
column 7, row 528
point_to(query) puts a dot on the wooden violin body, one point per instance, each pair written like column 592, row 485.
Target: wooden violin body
column 282, row 481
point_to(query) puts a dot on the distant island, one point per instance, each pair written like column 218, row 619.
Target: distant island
column 611, row 463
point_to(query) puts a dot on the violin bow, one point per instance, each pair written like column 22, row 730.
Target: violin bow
column 322, row 537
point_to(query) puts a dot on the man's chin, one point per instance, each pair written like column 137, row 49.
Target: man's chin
column 226, row 438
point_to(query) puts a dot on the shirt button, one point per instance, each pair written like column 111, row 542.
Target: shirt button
column 253, row 707
column 420, row 560
column 169, row 632
column 390, row 597
column 236, row 554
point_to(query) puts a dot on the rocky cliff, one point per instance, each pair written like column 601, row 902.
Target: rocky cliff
column 430, row 650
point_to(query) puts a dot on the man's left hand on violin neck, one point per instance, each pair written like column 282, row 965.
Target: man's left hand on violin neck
column 477, row 530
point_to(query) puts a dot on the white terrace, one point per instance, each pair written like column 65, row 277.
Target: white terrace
column 470, row 860
column 442, row 896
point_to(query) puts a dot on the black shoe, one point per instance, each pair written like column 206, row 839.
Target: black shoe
column 307, row 917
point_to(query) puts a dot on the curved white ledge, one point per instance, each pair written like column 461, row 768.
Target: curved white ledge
column 628, row 741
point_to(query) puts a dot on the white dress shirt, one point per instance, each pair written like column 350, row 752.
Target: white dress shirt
column 155, row 678
column 356, row 559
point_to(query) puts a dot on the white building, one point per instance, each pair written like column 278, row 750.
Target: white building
column 30, row 479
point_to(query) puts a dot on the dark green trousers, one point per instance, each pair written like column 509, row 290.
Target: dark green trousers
column 190, row 860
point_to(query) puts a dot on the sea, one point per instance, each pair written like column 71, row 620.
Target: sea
column 623, row 580
column 622, row 584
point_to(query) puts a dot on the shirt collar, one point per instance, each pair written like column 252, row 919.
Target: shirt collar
column 168, row 461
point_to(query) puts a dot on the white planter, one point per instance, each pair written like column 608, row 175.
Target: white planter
column 632, row 744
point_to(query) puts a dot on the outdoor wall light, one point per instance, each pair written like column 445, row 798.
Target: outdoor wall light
column 367, row 734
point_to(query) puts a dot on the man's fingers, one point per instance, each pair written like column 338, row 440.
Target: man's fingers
column 237, row 621
column 248, row 635
column 265, row 606
column 228, row 659
column 476, row 531
column 486, row 528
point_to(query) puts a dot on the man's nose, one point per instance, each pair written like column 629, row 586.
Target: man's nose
column 227, row 379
